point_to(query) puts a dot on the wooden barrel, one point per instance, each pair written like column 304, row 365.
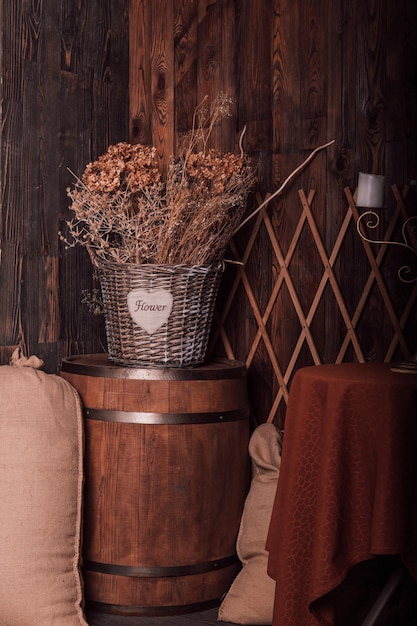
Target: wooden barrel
column 167, row 472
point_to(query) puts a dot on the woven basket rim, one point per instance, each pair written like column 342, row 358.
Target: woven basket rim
column 102, row 263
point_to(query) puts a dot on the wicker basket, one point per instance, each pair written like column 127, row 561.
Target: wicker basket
column 158, row 315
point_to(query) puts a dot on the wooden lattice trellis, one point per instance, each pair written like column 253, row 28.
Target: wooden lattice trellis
column 351, row 340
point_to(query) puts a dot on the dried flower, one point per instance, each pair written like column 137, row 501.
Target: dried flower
column 125, row 212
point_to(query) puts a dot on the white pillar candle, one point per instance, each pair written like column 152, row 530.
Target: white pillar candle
column 371, row 191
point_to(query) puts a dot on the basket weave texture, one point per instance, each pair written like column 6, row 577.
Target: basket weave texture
column 182, row 339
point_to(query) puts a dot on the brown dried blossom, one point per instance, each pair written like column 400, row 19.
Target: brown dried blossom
column 125, row 212
column 124, row 164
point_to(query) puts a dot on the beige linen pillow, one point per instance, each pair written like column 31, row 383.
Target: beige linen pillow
column 41, row 478
column 250, row 599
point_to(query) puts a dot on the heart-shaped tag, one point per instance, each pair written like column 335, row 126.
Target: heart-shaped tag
column 150, row 308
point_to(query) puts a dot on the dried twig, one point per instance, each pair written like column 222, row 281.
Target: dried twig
column 284, row 184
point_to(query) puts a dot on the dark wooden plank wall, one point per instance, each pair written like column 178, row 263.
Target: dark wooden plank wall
column 78, row 76
column 302, row 73
column 64, row 98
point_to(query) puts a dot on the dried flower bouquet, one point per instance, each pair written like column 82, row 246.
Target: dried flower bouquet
column 125, row 211
column 158, row 240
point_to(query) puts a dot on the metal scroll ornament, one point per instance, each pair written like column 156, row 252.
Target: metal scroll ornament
column 406, row 273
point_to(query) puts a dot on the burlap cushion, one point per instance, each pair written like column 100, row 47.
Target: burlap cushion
column 41, row 455
column 250, row 599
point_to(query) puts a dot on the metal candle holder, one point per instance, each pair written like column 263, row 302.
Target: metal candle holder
column 370, row 196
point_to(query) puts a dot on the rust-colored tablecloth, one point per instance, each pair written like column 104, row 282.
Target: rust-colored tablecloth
column 347, row 489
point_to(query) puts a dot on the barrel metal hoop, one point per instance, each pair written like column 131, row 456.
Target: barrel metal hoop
column 97, row 366
column 133, row 417
column 158, row 572
column 124, row 613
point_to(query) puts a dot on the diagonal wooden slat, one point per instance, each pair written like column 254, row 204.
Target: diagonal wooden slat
column 403, row 320
column 292, row 290
column 281, row 276
column 332, row 278
column 220, row 319
column 262, row 329
column 332, row 260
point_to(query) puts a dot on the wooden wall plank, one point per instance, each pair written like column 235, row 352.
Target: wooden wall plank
column 140, row 102
column 186, row 22
column 162, row 80
column 370, row 27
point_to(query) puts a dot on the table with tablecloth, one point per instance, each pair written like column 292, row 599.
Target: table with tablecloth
column 347, row 490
